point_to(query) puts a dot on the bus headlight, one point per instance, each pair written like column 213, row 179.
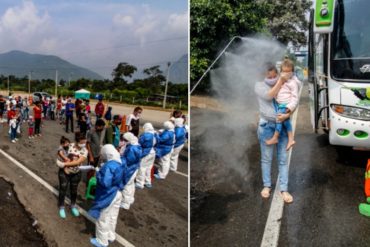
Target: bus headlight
column 352, row 112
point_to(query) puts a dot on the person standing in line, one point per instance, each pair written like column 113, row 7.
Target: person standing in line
column 70, row 107
column 99, row 107
column 107, row 196
column 69, row 173
column 63, row 111
column 2, row 108
column 58, row 107
column 95, row 139
column 37, row 113
column 164, row 147
column 133, row 121
column 112, row 135
column 131, row 157
column 147, row 142
column 180, row 138
column 31, row 127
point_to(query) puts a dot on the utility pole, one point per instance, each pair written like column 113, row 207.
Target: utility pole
column 8, row 87
column 56, row 83
column 29, row 83
column 165, row 89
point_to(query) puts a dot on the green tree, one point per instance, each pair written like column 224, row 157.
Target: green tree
column 122, row 70
column 154, row 79
column 287, row 20
column 214, row 23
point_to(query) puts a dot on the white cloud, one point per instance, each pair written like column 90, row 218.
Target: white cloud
column 178, row 23
column 124, row 20
column 23, row 27
column 77, row 32
column 24, row 20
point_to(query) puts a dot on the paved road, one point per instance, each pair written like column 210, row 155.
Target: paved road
column 326, row 182
column 159, row 216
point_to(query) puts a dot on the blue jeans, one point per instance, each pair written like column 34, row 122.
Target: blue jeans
column 265, row 131
column 13, row 133
column 281, row 108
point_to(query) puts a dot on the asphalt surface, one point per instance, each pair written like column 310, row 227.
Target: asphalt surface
column 159, row 216
column 17, row 226
column 326, row 182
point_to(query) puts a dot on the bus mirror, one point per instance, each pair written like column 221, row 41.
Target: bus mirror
column 324, row 14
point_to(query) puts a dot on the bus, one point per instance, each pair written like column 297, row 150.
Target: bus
column 339, row 70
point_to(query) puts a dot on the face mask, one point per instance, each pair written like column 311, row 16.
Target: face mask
column 82, row 145
column 66, row 148
column 271, row 82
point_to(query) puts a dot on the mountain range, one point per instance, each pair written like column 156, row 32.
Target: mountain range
column 20, row 64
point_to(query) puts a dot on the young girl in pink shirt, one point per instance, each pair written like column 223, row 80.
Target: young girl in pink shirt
column 286, row 101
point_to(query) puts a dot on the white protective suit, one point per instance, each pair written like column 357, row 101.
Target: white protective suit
column 164, row 161
column 128, row 192
column 174, row 159
column 106, row 224
column 147, row 162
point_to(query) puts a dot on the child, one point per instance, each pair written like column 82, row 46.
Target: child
column 13, row 130
column 52, row 110
column 147, row 141
column 286, row 102
column 31, row 127
column 63, row 149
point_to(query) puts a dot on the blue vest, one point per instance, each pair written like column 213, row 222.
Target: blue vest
column 165, row 142
column 146, row 141
column 109, row 182
column 180, row 135
column 132, row 157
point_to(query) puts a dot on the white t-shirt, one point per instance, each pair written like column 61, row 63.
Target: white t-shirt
column 75, row 154
column 128, row 120
column 64, row 102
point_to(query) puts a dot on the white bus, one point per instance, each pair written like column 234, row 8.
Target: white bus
column 339, row 70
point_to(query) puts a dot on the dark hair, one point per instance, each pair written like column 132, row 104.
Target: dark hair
column 271, row 67
column 64, row 140
column 79, row 136
column 117, row 117
column 176, row 113
column 100, row 122
column 138, row 108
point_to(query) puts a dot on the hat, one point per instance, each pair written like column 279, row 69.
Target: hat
column 148, row 127
column 168, row 125
column 109, row 152
column 128, row 136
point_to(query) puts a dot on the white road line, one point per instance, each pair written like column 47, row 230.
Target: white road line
column 182, row 174
column 119, row 238
column 272, row 228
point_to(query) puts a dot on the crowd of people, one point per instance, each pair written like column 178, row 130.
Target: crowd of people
column 112, row 150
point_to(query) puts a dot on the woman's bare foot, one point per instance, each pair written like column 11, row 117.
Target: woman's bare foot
column 290, row 144
column 265, row 193
column 272, row 141
column 287, row 197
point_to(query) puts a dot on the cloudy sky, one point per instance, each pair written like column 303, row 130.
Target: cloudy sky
column 97, row 34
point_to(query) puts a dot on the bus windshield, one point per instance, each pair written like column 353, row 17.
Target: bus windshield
column 351, row 39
